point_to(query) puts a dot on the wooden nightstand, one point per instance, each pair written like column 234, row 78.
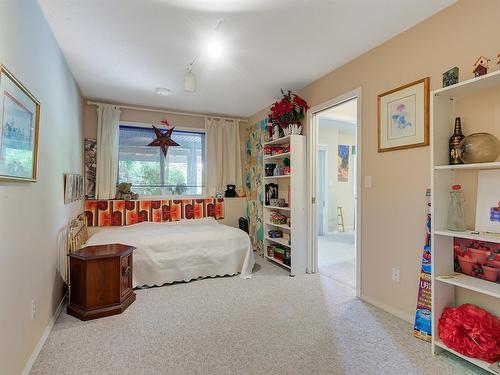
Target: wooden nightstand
column 101, row 281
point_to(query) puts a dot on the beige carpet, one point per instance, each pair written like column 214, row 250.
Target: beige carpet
column 271, row 324
column 337, row 257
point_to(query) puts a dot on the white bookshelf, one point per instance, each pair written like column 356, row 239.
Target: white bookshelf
column 296, row 209
column 448, row 287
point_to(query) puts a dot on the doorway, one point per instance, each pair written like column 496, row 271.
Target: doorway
column 335, row 170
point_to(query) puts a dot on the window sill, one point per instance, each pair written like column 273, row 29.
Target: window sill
column 170, row 197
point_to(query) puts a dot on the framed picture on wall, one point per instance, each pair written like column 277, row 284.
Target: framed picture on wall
column 403, row 117
column 73, row 188
column 20, row 118
column 343, row 163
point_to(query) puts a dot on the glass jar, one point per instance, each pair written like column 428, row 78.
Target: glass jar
column 456, row 216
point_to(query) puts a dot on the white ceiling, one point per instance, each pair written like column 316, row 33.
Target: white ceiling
column 121, row 50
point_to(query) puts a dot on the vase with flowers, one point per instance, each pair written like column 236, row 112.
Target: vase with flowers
column 287, row 114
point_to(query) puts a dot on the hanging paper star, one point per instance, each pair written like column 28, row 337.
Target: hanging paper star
column 163, row 140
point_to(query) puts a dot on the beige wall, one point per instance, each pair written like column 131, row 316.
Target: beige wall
column 33, row 215
column 130, row 115
column 393, row 210
column 234, row 208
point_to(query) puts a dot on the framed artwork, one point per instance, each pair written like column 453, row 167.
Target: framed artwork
column 90, row 163
column 271, row 193
column 68, row 188
column 81, row 193
column 20, row 118
column 343, row 169
column 488, row 202
column 403, row 117
column 73, row 188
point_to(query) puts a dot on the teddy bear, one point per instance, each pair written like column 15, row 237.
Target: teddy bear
column 124, row 192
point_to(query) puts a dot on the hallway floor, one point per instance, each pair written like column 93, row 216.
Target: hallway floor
column 337, row 257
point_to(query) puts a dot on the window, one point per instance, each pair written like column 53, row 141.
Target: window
column 181, row 173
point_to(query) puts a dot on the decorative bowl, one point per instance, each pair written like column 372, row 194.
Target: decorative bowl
column 479, row 148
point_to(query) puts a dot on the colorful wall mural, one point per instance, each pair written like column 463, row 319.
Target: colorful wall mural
column 254, row 183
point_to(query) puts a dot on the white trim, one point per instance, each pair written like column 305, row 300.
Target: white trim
column 324, row 147
column 46, row 332
column 193, row 114
column 391, row 310
column 313, row 126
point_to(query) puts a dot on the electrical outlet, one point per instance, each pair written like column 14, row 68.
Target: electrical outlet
column 33, row 309
column 395, row 275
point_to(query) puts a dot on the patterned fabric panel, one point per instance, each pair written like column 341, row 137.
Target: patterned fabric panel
column 103, row 213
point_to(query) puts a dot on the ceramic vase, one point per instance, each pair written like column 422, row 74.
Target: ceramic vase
column 479, row 148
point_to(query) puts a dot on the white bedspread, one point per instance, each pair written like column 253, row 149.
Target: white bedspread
column 182, row 250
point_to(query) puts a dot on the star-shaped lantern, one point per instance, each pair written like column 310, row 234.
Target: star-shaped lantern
column 164, row 140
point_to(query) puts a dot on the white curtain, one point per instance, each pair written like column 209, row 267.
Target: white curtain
column 223, row 154
column 108, row 126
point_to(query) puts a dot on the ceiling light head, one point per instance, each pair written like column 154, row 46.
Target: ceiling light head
column 215, row 48
column 190, row 81
column 163, row 91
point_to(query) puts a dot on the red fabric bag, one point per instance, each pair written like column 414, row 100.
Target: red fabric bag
column 471, row 331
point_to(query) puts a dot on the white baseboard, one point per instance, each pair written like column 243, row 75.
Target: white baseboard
column 396, row 312
column 42, row 340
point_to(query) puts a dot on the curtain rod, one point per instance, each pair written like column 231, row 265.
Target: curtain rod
column 89, row 102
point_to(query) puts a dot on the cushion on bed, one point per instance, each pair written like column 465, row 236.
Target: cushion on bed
column 103, row 213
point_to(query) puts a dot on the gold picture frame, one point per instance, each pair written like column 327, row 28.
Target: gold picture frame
column 19, row 129
column 403, row 116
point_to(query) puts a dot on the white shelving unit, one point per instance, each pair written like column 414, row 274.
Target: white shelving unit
column 448, row 287
column 292, row 188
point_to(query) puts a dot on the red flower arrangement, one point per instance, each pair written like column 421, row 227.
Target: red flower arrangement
column 471, row 331
column 289, row 110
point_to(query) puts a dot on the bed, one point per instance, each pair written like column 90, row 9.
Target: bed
column 182, row 250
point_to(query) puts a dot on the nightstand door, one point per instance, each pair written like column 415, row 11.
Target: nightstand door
column 126, row 274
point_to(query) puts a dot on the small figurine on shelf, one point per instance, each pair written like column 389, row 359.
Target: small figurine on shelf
column 270, row 129
column 481, row 66
column 230, row 192
column 277, row 132
column 286, row 164
column 278, row 170
column 269, row 169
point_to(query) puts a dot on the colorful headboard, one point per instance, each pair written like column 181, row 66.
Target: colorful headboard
column 104, row 213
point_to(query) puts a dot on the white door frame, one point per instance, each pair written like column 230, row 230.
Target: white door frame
column 313, row 142
column 323, row 147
